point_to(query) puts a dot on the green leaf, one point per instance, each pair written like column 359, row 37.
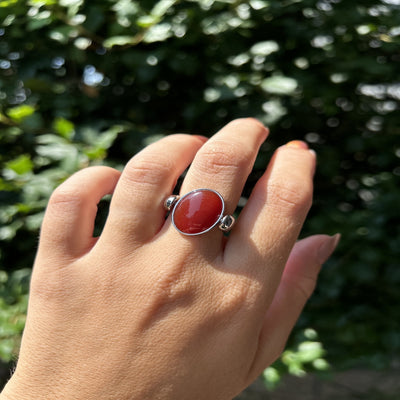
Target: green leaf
column 158, row 33
column 100, row 142
column 62, row 34
column 310, row 351
column 73, row 7
column 8, row 3
column 39, row 21
column 310, row 333
column 156, row 14
column 320, row 364
column 70, row 3
column 56, row 148
column 107, row 138
column 259, row 4
column 297, row 370
column 4, row 119
column 264, row 48
column 126, row 11
column 19, row 113
column 120, row 41
column 64, row 127
column 20, row 165
column 3, row 277
column 274, row 111
column 271, row 377
column 162, row 7
column 6, row 349
column 147, row 21
column 42, row 2
column 280, row 85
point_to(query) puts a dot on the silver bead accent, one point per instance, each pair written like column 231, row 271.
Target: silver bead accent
column 226, row 223
column 170, row 201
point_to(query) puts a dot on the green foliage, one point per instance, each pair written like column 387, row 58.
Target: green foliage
column 13, row 304
column 307, row 356
column 89, row 82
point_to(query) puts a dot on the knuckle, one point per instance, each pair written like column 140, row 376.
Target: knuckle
column 223, row 156
column 66, row 197
column 148, row 171
column 171, row 289
column 302, row 288
column 239, row 294
column 290, row 196
column 173, row 286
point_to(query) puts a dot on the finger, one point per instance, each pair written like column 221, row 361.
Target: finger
column 271, row 221
column 136, row 210
column 224, row 163
column 67, row 228
column 296, row 286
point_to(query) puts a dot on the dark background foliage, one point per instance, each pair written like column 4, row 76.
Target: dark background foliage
column 90, row 82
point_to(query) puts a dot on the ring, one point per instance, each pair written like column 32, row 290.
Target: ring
column 198, row 212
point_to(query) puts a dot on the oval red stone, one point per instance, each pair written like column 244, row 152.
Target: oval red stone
column 198, row 211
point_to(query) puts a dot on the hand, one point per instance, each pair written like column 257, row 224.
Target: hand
column 144, row 312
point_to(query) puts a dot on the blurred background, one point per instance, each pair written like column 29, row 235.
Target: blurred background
column 92, row 82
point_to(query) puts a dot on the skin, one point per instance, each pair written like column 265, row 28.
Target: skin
column 143, row 312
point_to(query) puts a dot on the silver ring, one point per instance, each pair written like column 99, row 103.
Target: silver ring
column 198, row 212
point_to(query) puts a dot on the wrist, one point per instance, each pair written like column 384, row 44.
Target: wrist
column 16, row 390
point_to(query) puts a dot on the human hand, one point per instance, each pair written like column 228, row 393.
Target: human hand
column 143, row 312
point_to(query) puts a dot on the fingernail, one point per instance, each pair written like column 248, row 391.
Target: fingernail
column 202, row 138
column 299, row 144
column 313, row 152
column 328, row 247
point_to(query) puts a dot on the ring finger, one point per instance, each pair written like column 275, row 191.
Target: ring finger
column 224, row 163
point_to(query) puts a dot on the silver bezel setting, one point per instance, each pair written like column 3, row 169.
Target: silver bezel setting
column 221, row 216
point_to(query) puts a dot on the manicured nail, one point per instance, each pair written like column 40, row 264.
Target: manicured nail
column 298, row 144
column 201, row 137
column 328, row 247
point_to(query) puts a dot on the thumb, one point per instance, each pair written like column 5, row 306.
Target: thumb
column 304, row 263
column 296, row 286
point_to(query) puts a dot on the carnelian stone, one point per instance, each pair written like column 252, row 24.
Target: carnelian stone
column 198, row 211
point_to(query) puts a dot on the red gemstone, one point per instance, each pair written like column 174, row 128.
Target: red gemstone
column 198, row 211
